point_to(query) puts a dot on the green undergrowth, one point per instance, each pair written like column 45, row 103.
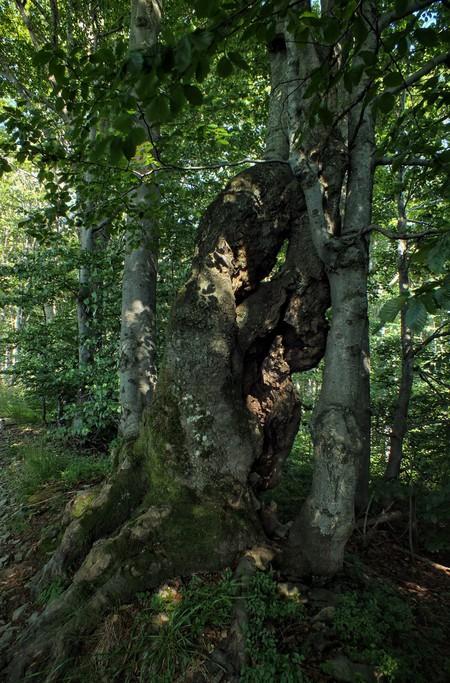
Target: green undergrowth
column 271, row 618
column 170, row 634
column 40, row 461
column 16, row 406
column 162, row 636
column 370, row 629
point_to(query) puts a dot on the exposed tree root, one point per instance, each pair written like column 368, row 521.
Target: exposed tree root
column 94, row 516
column 145, row 552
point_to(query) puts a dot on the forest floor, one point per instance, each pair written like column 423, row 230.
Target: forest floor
column 385, row 618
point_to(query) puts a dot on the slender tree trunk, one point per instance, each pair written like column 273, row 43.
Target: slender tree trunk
column 18, row 325
column 138, row 320
column 84, row 300
column 400, row 421
column 337, row 179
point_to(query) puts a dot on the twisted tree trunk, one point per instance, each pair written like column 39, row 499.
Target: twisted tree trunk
column 222, row 421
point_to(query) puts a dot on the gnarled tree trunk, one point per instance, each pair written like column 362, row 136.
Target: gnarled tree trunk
column 224, row 414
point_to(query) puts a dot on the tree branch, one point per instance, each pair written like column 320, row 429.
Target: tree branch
column 417, row 75
column 436, row 335
column 402, row 236
column 396, row 14
column 55, row 21
column 411, row 161
column 27, row 22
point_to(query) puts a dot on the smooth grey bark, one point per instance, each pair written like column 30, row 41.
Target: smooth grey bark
column 92, row 239
column 137, row 374
column 400, row 421
column 337, row 180
column 365, row 420
column 84, row 300
column 19, row 321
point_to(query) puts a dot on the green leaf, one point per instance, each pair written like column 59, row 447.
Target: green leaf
column 401, row 5
column 416, row 315
column 392, row 80
column 193, row 95
column 326, row 116
column 439, row 254
column 332, row 30
column 360, row 29
column 369, row 57
column 183, row 54
column 391, row 309
column 206, row 8
column 238, row 61
column 177, row 99
column 123, row 122
column 202, row 69
column 116, row 150
column 352, row 77
column 4, row 166
column 57, row 69
column 426, row 36
column 402, row 46
column 430, row 303
column 128, row 147
column 138, row 135
column 158, row 110
column 42, row 56
column 386, row 102
column 225, row 67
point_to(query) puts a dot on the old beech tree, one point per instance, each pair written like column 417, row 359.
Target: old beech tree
column 185, row 493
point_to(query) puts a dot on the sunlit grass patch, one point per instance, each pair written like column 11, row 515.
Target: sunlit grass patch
column 40, row 462
column 15, row 406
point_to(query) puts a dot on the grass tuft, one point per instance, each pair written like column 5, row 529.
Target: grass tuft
column 41, row 462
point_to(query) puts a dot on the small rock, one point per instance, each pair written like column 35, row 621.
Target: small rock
column 344, row 670
column 18, row 557
column 19, row 612
column 4, row 560
column 323, row 595
column 326, row 615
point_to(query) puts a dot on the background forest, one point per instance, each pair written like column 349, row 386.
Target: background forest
column 94, row 143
